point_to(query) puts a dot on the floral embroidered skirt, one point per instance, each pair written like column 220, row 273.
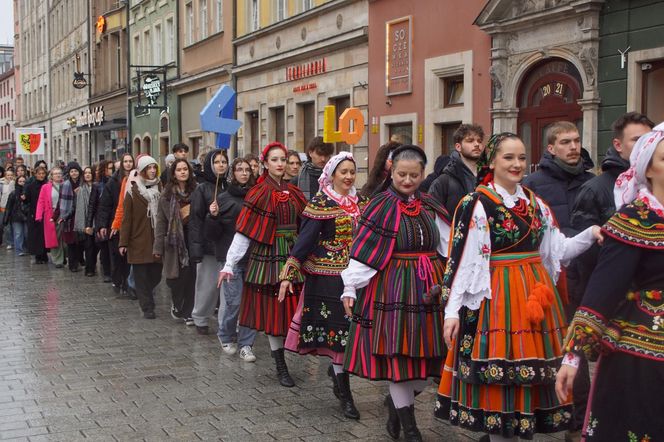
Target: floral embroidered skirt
column 500, row 376
column 320, row 324
column 260, row 308
column 626, row 400
column 394, row 334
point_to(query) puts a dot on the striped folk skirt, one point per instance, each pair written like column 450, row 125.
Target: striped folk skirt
column 395, row 334
column 260, row 308
column 500, row 376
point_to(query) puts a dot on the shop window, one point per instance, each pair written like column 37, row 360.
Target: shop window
column 653, row 89
column 341, row 104
column 277, row 124
column 446, row 131
column 401, row 133
column 147, row 145
column 452, row 91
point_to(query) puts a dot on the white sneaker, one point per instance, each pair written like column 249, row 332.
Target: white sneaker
column 247, row 355
column 9, row 247
column 229, row 349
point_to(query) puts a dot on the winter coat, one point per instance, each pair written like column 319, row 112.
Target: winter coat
column 558, row 189
column 44, row 214
column 17, row 210
column 455, row 182
column 108, row 202
column 307, row 179
column 221, row 228
column 438, row 168
column 35, row 229
column 594, row 204
column 201, row 199
column 168, row 252
column 93, row 206
column 136, row 233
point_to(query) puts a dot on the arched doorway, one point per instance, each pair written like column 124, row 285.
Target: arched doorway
column 147, row 145
column 548, row 93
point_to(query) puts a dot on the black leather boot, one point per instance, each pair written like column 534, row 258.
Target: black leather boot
column 407, row 419
column 393, row 425
column 282, row 369
column 346, row 399
column 335, row 386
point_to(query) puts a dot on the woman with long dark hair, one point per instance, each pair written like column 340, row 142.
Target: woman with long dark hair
column 36, row 246
column 221, row 229
column 16, row 214
column 171, row 234
column 87, row 243
column 267, row 229
column 379, row 176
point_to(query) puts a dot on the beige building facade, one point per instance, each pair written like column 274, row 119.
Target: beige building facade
column 289, row 70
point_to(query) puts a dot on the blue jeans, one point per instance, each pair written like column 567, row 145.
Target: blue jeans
column 8, row 234
column 20, row 236
column 230, row 306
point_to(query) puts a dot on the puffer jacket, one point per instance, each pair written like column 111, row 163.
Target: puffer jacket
column 558, row 188
column 455, row 182
column 221, row 229
column 201, row 199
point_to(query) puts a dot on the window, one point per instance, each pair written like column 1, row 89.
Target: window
column 341, row 104
column 170, row 40
column 189, row 26
column 453, row 91
column 401, row 133
column 137, row 49
column 253, row 132
column 277, row 115
column 203, row 19
column 157, row 53
column 447, row 137
column 307, row 122
column 219, row 11
column 653, row 86
column 281, row 10
column 307, row 4
column 147, row 47
column 255, row 23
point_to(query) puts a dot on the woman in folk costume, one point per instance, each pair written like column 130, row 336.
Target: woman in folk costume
column 504, row 320
column 267, row 228
column 320, row 325
column 392, row 282
column 621, row 317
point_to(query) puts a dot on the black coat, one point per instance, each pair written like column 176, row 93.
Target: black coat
column 455, row 182
column 201, row 199
column 36, row 244
column 221, row 229
column 438, row 168
column 108, row 202
column 91, row 219
column 558, row 189
column 17, row 210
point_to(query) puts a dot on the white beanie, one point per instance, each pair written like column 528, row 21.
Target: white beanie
column 170, row 158
column 144, row 162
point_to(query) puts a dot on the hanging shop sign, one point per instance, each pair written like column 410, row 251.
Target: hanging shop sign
column 30, row 141
column 79, row 80
column 399, row 37
column 151, row 88
column 92, row 117
column 300, row 71
column 351, row 125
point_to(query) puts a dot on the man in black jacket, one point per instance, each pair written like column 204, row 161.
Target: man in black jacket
column 318, row 153
column 459, row 177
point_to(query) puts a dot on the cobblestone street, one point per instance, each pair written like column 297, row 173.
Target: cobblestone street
column 78, row 364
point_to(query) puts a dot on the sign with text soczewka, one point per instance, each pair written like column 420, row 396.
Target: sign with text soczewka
column 29, row 141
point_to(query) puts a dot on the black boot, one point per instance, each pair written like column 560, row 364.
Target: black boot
column 346, row 399
column 393, row 425
column 335, row 386
column 282, row 369
column 407, row 419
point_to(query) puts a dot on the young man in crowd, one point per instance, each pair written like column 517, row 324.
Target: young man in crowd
column 318, row 153
column 459, row 177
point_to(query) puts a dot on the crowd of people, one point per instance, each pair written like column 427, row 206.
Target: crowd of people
column 499, row 286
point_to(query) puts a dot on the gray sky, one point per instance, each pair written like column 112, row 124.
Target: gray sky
column 6, row 22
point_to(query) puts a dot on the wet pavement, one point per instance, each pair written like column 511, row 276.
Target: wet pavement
column 76, row 363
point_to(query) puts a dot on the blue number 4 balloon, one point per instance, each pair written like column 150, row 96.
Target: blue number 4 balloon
column 217, row 116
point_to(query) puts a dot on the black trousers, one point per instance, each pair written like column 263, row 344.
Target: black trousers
column 119, row 266
column 91, row 250
column 104, row 256
column 75, row 254
column 183, row 289
column 147, row 277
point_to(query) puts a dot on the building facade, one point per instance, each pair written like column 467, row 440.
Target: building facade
column 106, row 115
column 293, row 58
column 34, row 92
column 428, row 73
column 635, row 81
column 7, row 116
column 153, row 53
column 68, row 49
column 205, row 55
column 544, row 68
